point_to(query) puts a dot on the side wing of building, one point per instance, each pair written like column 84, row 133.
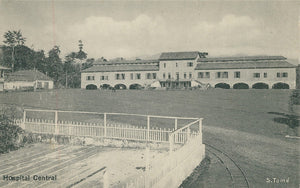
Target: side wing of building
column 255, row 72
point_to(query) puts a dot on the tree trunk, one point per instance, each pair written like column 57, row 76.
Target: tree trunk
column 13, row 58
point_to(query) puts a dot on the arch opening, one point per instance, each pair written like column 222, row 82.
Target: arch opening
column 135, row 86
column 120, row 86
column 91, row 87
column 240, row 86
column 222, row 85
column 260, row 85
column 105, row 86
column 281, row 85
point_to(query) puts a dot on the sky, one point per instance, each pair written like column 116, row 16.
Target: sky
column 133, row 29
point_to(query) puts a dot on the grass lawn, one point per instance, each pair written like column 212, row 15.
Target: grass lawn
column 239, row 122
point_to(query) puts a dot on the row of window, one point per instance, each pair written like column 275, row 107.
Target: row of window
column 265, row 75
column 137, row 76
column 185, row 75
column 122, row 76
column 237, row 74
column 188, row 64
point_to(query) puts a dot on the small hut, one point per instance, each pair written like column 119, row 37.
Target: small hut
column 27, row 80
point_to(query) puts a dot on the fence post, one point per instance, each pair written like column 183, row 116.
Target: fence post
column 104, row 122
column 200, row 125
column 171, row 141
column 148, row 128
column 188, row 133
column 24, row 119
column 55, row 122
column 105, row 179
column 200, row 128
column 175, row 123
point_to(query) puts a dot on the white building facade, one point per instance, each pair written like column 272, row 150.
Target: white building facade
column 180, row 69
column 27, row 80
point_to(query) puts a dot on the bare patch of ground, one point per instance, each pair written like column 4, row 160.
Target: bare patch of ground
column 80, row 165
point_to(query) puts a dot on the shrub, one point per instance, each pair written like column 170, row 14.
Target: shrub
column 9, row 134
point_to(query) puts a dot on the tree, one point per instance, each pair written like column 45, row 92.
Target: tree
column 13, row 39
column 89, row 62
column 54, row 65
column 81, row 55
column 24, row 57
column 40, row 61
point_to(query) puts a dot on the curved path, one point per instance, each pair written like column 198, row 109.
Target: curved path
column 237, row 177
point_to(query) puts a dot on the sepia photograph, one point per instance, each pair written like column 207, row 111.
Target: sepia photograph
column 149, row 94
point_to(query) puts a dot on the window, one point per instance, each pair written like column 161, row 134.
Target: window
column 165, row 65
column 284, row 74
column 46, row 86
column 138, row 76
column 120, row 76
column 131, row 76
column 278, row 74
column 225, row 75
column 103, row 77
column 207, row 74
column 148, row 75
column 190, row 75
column 154, row 75
column 39, row 85
column 189, row 64
column 184, row 75
column 265, row 75
column 164, row 75
column 90, row 78
column 221, row 74
column 200, row 74
column 177, row 75
column 169, row 75
column 256, row 75
column 176, row 64
column 237, row 74
column 203, row 74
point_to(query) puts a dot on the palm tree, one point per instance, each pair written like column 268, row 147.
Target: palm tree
column 13, row 39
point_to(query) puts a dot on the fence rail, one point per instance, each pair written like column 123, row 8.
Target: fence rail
column 167, row 172
column 108, row 129
column 112, row 130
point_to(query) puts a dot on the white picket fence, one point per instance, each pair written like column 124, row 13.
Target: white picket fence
column 112, row 130
column 105, row 128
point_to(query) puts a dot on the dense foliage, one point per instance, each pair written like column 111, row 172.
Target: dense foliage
column 10, row 134
column 298, row 77
column 65, row 73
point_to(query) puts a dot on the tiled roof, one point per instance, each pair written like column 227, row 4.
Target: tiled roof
column 244, row 65
column 245, row 58
column 126, row 62
column 179, row 55
column 116, row 68
column 26, row 75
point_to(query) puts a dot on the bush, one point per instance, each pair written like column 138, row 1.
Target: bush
column 10, row 134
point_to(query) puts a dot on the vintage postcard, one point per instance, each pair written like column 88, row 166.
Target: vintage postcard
column 160, row 94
